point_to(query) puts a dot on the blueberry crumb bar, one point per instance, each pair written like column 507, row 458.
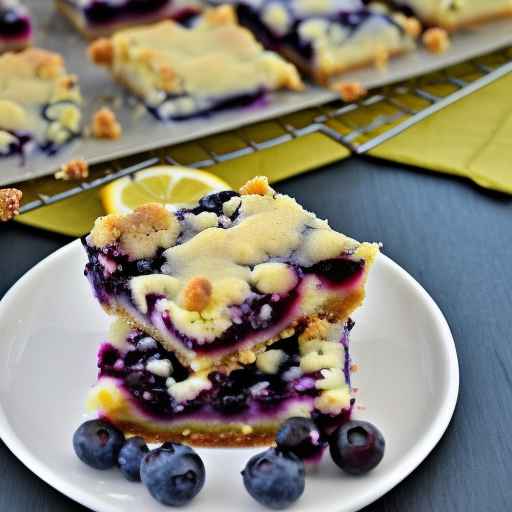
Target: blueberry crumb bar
column 324, row 38
column 454, row 14
column 99, row 18
column 39, row 103
column 144, row 390
column 15, row 26
column 180, row 72
column 214, row 285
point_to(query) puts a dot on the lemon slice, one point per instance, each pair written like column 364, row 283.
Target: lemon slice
column 176, row 187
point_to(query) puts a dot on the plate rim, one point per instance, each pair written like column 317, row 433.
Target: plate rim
column 406, row 466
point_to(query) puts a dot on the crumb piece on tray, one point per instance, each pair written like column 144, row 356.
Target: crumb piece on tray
column 436, row 40
column 105, row 125
column 77, row 169
column 101, row 52
column 10, row 199
column 350, row 91
column 410, row 24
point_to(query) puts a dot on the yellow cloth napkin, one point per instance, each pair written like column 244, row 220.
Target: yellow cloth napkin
column 471, row 138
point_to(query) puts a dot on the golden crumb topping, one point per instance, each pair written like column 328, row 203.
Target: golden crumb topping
column 101, row 52
column 197, row 294
column 140, row 233
column 257, row 185
column 10, row 199
column 77, row 169
column 105, row 125
column 436, row 40
column 350, row 91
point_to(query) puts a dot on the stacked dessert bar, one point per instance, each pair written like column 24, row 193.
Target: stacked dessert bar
column 231, row 317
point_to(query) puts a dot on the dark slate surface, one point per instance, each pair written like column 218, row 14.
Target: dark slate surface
column 457, row 241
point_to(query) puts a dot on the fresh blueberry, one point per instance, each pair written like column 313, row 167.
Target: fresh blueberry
column 274, row 478
column 144, row 267
column 173, row 477
column 130, row 457
column 357, row 447
column 98, row 443
column 301, row 437
column 213, row 202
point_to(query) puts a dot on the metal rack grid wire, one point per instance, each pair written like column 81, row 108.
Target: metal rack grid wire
column 359, row 126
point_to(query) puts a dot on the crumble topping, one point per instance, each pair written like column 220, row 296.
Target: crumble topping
column 156, row 284
column 197, row 294
column 350, row 91
column 101, row 52
column 118, row 332
column 189, row 388
column 10, row 199
column 332, row 378
column 160, row 367
column 105, row 125
column 77, row 169
column 333, row 401
column 273, row 278
column 319, row 354
column 436, row 40
column 257, row 185
column 410, row 24
column 317, row 328
column 140, row 233
column 247, row 357
column 270, row 361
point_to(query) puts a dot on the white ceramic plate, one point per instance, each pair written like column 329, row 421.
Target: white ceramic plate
column 51, row 327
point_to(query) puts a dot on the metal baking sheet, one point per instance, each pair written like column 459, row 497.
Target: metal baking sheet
column 142, row 132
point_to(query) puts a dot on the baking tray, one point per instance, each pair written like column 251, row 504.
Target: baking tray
column 141, row 132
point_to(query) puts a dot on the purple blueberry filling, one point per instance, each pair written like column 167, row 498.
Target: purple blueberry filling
column 106, row 12
column 202, row 106
column 25, row 142
column 14, row 24
column 249, row 318
column 241, row 394
column 20, row 146
column 251, row 17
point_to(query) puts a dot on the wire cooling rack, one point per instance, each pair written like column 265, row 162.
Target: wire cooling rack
column 359, row 126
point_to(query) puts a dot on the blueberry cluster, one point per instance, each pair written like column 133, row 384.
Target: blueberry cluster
column 173, row 473
column 276, row 477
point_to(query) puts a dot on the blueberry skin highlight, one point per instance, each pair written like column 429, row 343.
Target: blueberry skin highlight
column 173, row 478
column 357, row 447
column 301, row 437
column 131, row 456
column 98, row 443
column 274, row 479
